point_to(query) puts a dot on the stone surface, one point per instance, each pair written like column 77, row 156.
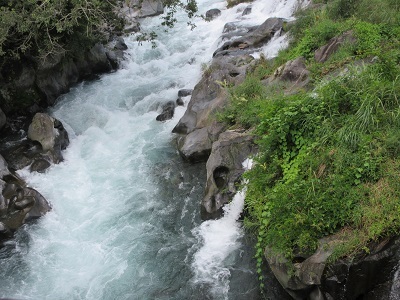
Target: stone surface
column 293, row 74
column 247, row 11
column 18, row 204
column 212, row 14
column 167, row 113
column 185, row 92
column 208, row 96
column 42, row 131
column 253, row 39
column 150, row 8
column 3, row 119
column 324, row 52
column 224, row 170
column 367, row 276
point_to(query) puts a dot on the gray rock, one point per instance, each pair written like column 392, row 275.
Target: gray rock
column 120, row 44
column 208, row 96
column 3, row 167
column 185, row 92
column 196, row 146
column 42, row 130
column 247, row 11
column 3, row 119
column 294, row 71
column 39, row 165
column 224, row 170
column 168, row 110
column 150, row 8
column 40, row 207
column 180, row 102
column 324, row 52
column 366, row 276
column 253, row 39
column 212, row 14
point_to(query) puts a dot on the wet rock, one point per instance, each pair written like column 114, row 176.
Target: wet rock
column 167, row 112
column 40, row 207
column 18, row 204
column 196, row 146
column 253, row 39
column 39, row 165
column 185, row 92
column 120, row 44
column 212, row 14
column 3, row 167
column 3, row 119
column 180, row 102
column 224, row 170
column 247, row 11
column 366, row 276
column 324, row 52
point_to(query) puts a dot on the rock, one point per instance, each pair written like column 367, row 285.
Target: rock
column 180, row 102
column 208, row 96
column 132, row 27
column 120, row 44
column 3, row 167
column 294, row 71
column 224, row 170
column 42, row 130
column 40, row 207
column 196, row 146
column 212, row 14
column 3, row 119
column 167, row 112
column 98, row 60
column 366, row 276
column 324, row 52
column 247, row 11
column 39, row 165
column 185, row 92
column 253, row 39
column 150, row 8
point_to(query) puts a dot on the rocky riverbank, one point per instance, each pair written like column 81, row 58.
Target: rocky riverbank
column 201, row 137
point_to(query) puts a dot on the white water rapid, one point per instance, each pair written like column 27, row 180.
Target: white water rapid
column 125, row 222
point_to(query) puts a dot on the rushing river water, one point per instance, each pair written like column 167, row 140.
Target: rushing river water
column 125, row 222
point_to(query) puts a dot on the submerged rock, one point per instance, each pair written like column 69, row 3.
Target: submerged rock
column 212, row 14
column 167, row 112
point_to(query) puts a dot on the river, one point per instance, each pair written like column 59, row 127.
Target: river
column 126, row 220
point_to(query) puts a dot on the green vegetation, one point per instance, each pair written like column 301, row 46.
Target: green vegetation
column 43, row 28
column 329, row 159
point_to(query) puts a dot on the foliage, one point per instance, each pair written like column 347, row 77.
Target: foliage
column 43, row 28
column 329, row 158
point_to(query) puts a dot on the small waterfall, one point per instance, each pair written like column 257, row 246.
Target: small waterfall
column 395, row 289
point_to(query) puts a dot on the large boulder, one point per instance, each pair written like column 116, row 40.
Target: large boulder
column 42, row 131
column 293, row 74
column 372, row 275
column 18, row 203
column 47, row 138
column 326, row 51
column 224, row 170
column 208, row 95
column 196, row 146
